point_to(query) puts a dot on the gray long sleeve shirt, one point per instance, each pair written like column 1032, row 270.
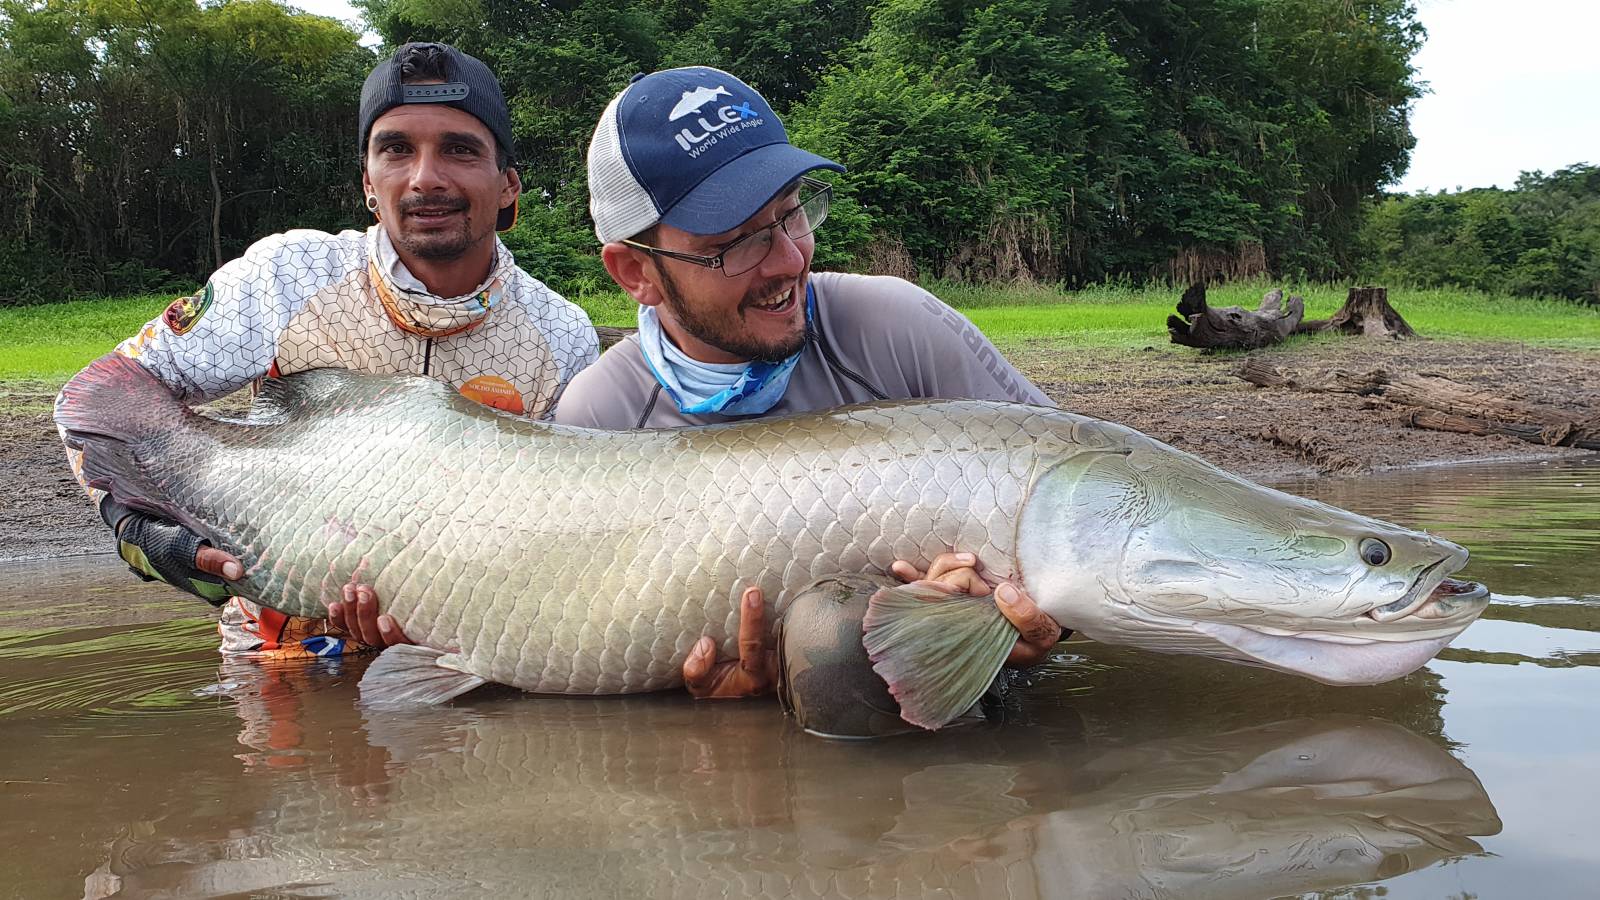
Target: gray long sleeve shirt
column 873, row 338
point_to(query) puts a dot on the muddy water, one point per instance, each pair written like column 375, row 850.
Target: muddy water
column 131, row 764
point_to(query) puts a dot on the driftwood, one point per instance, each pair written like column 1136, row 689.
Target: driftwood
column 609, row 335
column 1233, row 327
column 1311, row 446
column 1366, row 311
column 1437, row 403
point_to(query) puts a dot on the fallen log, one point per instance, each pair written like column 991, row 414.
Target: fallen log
column 1233, row 327
column 609, row 335
column 1312, row 447
column 1564, row 435
column 1438, row 403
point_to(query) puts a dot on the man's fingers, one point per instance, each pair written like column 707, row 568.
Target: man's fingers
column 751, row 674
column 391, row 632
column 367, row 629
column 697, row 668
column 1024, row 615
column 753, row 632
column 1039, row 633
column 946, row 563
column 967, row 581
column 212, row 561
column 905, row 571
column 953, row 571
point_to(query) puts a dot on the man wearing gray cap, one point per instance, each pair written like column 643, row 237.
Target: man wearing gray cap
column 706, row 215
column 427, row 290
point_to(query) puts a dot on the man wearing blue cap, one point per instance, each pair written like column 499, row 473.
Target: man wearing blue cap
column 706, row 215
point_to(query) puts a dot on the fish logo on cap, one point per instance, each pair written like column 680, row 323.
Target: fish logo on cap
column 693, row 100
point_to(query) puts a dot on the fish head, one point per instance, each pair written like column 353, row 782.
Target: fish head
column 1150, row 547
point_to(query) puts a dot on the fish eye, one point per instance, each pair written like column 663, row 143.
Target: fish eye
column 1375, row 552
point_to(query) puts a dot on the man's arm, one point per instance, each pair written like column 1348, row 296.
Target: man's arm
column 935, row 351
column 204, row 346
column 965, row 363
column 612, row 394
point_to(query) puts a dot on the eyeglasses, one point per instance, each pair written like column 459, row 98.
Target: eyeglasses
column 749, row 251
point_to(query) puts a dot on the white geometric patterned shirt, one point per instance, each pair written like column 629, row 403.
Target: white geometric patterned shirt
column 307, row 299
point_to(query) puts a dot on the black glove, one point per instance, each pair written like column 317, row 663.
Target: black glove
column 158, row 550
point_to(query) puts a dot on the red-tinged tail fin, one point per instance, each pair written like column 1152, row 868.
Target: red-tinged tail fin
column 119, row 415
column 938, row 652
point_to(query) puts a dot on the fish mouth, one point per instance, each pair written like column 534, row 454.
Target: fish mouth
column 1422, row 591
column 1440, row 613
column 1449, row 597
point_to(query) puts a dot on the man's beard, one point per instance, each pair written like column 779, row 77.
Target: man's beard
column 725, row 334
column 435, row 244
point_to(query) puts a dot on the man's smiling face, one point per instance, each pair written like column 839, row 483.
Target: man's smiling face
column 759, row 315
column 433, row 169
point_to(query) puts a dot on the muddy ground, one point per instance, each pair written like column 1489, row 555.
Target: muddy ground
column 1189, row 399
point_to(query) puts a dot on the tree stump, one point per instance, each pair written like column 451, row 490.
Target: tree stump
column 1233, row 327
column 1366, row 311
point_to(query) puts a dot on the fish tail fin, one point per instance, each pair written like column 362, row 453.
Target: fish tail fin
column 938, row 652
column 109, row 411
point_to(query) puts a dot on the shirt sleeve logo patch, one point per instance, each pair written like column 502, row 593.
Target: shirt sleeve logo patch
column 492, row 390
column 184, row 312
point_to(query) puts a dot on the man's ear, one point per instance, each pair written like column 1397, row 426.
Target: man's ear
column 511, row 190
column 366, row 185
column 632, row 272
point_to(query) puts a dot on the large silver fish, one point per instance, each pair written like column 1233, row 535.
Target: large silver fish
column 564, row 560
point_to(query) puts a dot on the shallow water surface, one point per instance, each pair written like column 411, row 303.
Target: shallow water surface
column 133, row 764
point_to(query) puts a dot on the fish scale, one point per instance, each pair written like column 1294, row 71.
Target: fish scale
column 546, row 536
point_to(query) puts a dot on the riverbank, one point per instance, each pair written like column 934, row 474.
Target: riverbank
column 1191, row 400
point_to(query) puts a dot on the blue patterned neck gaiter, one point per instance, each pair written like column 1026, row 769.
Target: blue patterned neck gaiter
column 746, row 389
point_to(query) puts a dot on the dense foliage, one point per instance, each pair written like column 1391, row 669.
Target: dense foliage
column 1064, row 140
column 1543, row 237
column 143, row 139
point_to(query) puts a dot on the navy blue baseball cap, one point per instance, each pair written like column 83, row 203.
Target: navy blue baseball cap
column 695, row 148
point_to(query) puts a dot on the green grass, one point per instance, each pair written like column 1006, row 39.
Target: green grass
column 49, row 343
column 612, row 308
column 1112, row 316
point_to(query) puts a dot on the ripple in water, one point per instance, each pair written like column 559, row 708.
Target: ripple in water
column 142, row 670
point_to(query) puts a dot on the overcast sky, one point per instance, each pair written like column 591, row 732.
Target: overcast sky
column 1514, row 85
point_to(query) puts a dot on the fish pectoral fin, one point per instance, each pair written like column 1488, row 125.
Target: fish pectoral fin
column 409, row 674
column 938, row 652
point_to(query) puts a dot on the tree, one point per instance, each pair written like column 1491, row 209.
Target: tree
column 147, row 137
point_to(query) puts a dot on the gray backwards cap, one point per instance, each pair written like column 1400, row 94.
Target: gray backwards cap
column 469, row 87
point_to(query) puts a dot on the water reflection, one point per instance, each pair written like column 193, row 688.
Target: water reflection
column 1535, row 529
column 121, row 670
column 654, row 797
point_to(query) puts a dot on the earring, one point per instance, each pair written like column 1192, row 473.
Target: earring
column 372, row 203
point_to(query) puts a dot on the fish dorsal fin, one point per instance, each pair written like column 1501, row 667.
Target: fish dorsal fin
column 319, row 390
